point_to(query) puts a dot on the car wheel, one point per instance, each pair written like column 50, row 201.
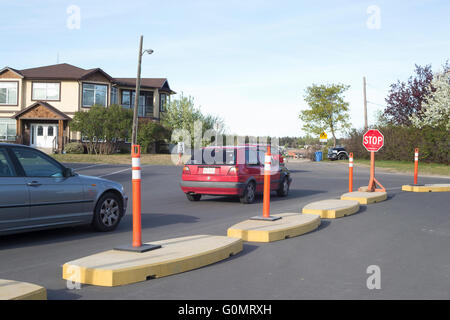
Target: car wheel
column 283, row 191
column 342, row 157
column 193, row 197
column 249, row 193
column 107, row 212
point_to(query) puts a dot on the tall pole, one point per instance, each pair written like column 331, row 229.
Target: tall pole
column 366, row 126
column 136, row 95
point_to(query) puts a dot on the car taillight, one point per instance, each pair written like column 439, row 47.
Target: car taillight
column 233, row 171
column 186, row 170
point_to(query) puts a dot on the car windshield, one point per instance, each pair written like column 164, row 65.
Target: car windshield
column 213, row 156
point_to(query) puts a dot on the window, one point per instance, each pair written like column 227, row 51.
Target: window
column 94, row 94
column 35, row 165
column 45, row 91
column 7, row 130
column 5, row 166
column 40, row 131
column 50, row 131
column 162, row 102
column 251, row 156
column 114, row 95
column 8, row 93
column 145, row 102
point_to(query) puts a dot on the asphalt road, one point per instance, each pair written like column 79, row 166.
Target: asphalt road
column 407, row 236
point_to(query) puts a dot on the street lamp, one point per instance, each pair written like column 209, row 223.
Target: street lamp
column 137, row 245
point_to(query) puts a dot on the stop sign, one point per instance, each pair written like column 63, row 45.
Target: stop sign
column 373, row 140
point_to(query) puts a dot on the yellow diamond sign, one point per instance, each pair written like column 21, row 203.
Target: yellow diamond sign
column 323, row 137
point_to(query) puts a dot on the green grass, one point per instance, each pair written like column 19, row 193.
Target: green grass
column 155, row 159
column 407, row 166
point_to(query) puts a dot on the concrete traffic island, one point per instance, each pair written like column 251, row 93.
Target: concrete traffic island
column 16, row 290
column 115, row 268
column 290, row 225
column 365, row 197
column 427, row 188
column 332, row 208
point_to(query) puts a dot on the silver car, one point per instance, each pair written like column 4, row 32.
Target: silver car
column 37, row 192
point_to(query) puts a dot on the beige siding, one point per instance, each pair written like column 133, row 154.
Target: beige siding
column 68, row 95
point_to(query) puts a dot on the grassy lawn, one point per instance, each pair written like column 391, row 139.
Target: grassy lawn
column 406, row 166
column 156, row 159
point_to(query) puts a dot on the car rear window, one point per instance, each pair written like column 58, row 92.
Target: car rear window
column 213, row 156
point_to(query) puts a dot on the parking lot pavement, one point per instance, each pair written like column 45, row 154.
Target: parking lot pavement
column 406, row 236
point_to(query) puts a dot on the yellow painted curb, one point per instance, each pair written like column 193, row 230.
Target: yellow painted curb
column 427, row 188
column 332, row 208
column 16, row 290
column 290, row 225
column 365, row 197
column 115, row 268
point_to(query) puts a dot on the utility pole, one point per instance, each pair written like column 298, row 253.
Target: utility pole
column 136, row 95
column 366, row 126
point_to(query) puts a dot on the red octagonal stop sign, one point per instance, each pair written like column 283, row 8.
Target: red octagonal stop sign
column 373, row 140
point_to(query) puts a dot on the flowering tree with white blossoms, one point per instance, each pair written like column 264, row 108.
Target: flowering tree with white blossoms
column 436, row 109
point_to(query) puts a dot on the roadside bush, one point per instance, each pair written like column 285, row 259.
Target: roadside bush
column 150, row 132
column 400, row 142
column 74, row 147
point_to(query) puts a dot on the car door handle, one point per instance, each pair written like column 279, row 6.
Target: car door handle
column 34, row 184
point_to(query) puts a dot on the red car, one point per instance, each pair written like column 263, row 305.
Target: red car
column 235, row 171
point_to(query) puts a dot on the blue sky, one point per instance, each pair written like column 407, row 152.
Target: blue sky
column 246, row 61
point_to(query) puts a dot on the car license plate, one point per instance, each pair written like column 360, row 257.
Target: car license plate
column 209, row 170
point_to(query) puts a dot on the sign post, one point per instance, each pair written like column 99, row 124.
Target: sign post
column 373, row 141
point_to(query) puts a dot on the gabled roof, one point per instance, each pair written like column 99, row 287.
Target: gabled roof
column 13, row 70
column 63, row 71
column 158, row 83
column 45, row 104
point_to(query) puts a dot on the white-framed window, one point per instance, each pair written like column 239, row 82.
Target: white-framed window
column 45, row 91
column 7, row 130
column 94, row 94
column 9, row 92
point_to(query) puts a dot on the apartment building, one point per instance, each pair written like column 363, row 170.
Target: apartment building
column 37, row 104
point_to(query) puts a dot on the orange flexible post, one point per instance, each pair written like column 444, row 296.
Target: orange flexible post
column 266, row 196
column 136, row 182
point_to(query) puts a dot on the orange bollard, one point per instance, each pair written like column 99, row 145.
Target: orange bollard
column 350, row 172
column 267, row 171
column 416, row 164
column 266, row 196
column 136, row 181
column 137, row 245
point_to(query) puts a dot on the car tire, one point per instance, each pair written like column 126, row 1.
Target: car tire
column 283, row 190
column 342, row 157
column 249, row 193
column 193, row 197
column 108, row 212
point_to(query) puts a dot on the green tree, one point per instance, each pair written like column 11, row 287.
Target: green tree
column 182, row 114
column 90, row 125
column 149, row 133
column 327, row 110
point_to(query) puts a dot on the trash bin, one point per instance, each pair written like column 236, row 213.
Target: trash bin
column 318, row 155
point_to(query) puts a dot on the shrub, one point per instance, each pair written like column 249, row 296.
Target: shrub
column 74, row 147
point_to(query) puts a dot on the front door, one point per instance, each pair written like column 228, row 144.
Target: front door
column 44, row 135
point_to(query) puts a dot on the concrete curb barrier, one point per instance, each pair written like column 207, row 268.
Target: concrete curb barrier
column 365, row 197
column 16, row 290
column 427, row 188
column 115, row 268
column 332, row 208
column 290, row 225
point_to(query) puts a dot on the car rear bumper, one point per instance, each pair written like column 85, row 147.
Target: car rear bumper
column 212, row 187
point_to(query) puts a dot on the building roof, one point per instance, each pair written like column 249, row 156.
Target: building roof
column 61, row 114
column 65, row 71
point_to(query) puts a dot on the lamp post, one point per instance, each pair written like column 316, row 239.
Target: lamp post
column 137, row 245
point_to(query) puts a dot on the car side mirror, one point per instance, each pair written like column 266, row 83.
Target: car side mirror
column 68, row 172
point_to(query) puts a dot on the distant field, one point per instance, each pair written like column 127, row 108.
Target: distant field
column 156, row 159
